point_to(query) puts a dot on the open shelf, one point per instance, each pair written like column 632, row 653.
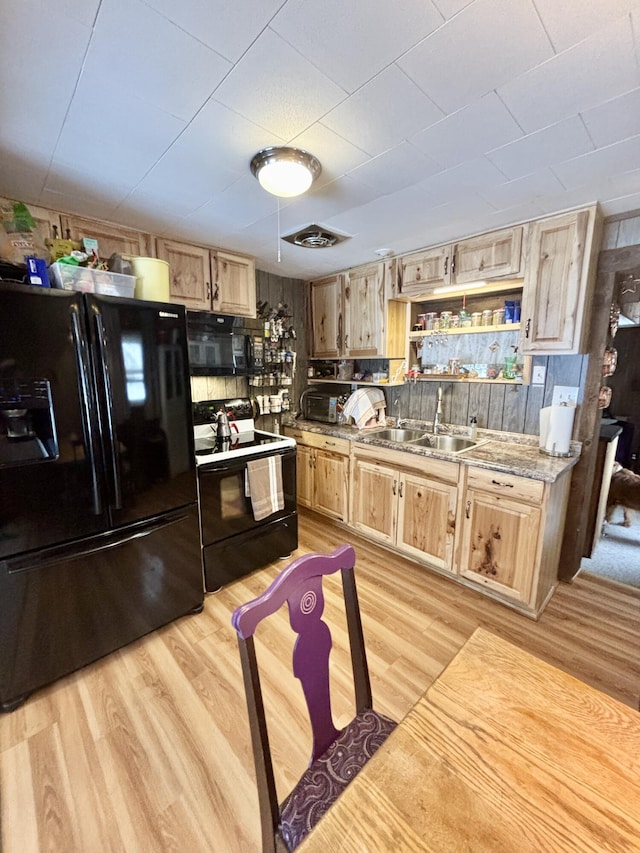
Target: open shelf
column 465, row 330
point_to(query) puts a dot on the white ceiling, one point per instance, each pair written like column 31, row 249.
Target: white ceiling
column 433, row 119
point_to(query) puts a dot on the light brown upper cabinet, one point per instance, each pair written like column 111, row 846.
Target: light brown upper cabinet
column 111, row 238
column 205, row 280
column 559, row 282
column 354, row 315
column 489, row 257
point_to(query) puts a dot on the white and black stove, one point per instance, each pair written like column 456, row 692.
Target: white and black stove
column 245, row 439
column 233, row 542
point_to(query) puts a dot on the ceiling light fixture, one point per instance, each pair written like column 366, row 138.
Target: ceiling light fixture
column 285, row 172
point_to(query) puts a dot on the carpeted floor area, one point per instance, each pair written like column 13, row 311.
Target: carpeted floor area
column 617, row 554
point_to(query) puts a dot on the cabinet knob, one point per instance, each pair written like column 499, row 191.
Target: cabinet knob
column 209, row 291
column 468, row 511
column 394, row 487
column 400, row 488
column 527, row 328
column 216, row 292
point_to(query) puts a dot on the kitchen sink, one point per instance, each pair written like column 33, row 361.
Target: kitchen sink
column 400, row 434
column 450, row 443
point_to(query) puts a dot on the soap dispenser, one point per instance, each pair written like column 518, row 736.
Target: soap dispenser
column 473, row 427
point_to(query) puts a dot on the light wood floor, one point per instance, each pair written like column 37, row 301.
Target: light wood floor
column 148, row 749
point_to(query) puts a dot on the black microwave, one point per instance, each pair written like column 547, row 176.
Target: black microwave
column 222, row 345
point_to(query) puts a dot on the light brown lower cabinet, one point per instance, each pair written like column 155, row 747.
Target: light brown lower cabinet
column 510, row 534
column 412, row 510
column 322, row 472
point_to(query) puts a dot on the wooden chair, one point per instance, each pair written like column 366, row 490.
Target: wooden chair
column 336, row 756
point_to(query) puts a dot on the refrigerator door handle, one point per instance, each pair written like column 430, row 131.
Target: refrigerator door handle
column 83, row 389
column 102, row 347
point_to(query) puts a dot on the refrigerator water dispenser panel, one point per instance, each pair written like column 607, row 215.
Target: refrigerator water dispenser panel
column 27, row 424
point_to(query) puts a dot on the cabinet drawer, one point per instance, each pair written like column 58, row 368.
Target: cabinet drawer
column 319, row 441
column 507, row 485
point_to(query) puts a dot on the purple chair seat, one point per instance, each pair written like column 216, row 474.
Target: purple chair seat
column 330, row 774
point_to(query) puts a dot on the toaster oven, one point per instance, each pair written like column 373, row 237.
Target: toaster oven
column 318, row 405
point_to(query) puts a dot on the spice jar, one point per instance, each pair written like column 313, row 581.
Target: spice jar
column 498, row 317
column 476, row 318
column 487, row 317
column 445, row 319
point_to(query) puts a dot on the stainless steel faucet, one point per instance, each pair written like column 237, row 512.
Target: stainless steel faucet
column 437, row 419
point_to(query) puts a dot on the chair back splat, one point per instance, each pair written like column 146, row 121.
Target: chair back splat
column 300, row 586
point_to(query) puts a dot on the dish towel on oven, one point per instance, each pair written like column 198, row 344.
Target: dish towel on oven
column 263, row 484
column 364, row 405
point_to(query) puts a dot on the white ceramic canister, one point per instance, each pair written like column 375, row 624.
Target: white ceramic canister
column 275, row 403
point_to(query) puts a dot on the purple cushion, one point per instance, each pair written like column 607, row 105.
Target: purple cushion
column 330, row 774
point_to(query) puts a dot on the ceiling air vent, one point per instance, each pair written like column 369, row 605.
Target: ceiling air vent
column 315, row 237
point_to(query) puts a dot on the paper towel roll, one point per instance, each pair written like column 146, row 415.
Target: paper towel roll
column 556, row 428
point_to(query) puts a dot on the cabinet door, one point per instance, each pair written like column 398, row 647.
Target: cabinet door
column 189, row 271
column 424, row 272
column 111, row 238
column 304, row 476
column 500, row 544
column 234, row 290
column 554, row 295
column 495, row 255
column 364, row 313
column 326, row 317
column 427, row 519
column 330, row 484
column 374, row 501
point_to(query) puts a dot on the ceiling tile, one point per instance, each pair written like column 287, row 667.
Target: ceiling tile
column 450, row 141
column 605, row 162
column 277, row 88
column 588, row 74
column 383, row 113
column 100, row 129
column 449, row 8
column 178, row 78
column 353, row 41
column 82, row 11
column 572, row 21
column 518, row 191
column 228, row 28
column 614, row 120
column 397, row 168
column 544, row 148
column 336, row 155
column 460, row 181
column 476, row 51
column 340, row 195
column 32, row 113
column 20, row 180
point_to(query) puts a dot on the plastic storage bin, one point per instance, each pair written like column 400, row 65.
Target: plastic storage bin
column 88, row 280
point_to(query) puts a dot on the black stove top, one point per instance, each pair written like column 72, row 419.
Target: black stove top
column 242, row 441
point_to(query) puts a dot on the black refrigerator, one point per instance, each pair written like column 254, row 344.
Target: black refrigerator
column 99, row 535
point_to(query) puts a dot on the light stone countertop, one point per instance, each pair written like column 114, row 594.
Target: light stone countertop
column 509, row 453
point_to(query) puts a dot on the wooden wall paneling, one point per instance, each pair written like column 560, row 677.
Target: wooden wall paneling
column 628, row 232
column 456, row 399
column 563, row 370
column 496, row 407
column 514, row 409
column 610, row 235
column 479, row 397
column 535, row 399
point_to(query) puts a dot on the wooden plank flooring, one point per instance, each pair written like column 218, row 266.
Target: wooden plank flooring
column 148, row 749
